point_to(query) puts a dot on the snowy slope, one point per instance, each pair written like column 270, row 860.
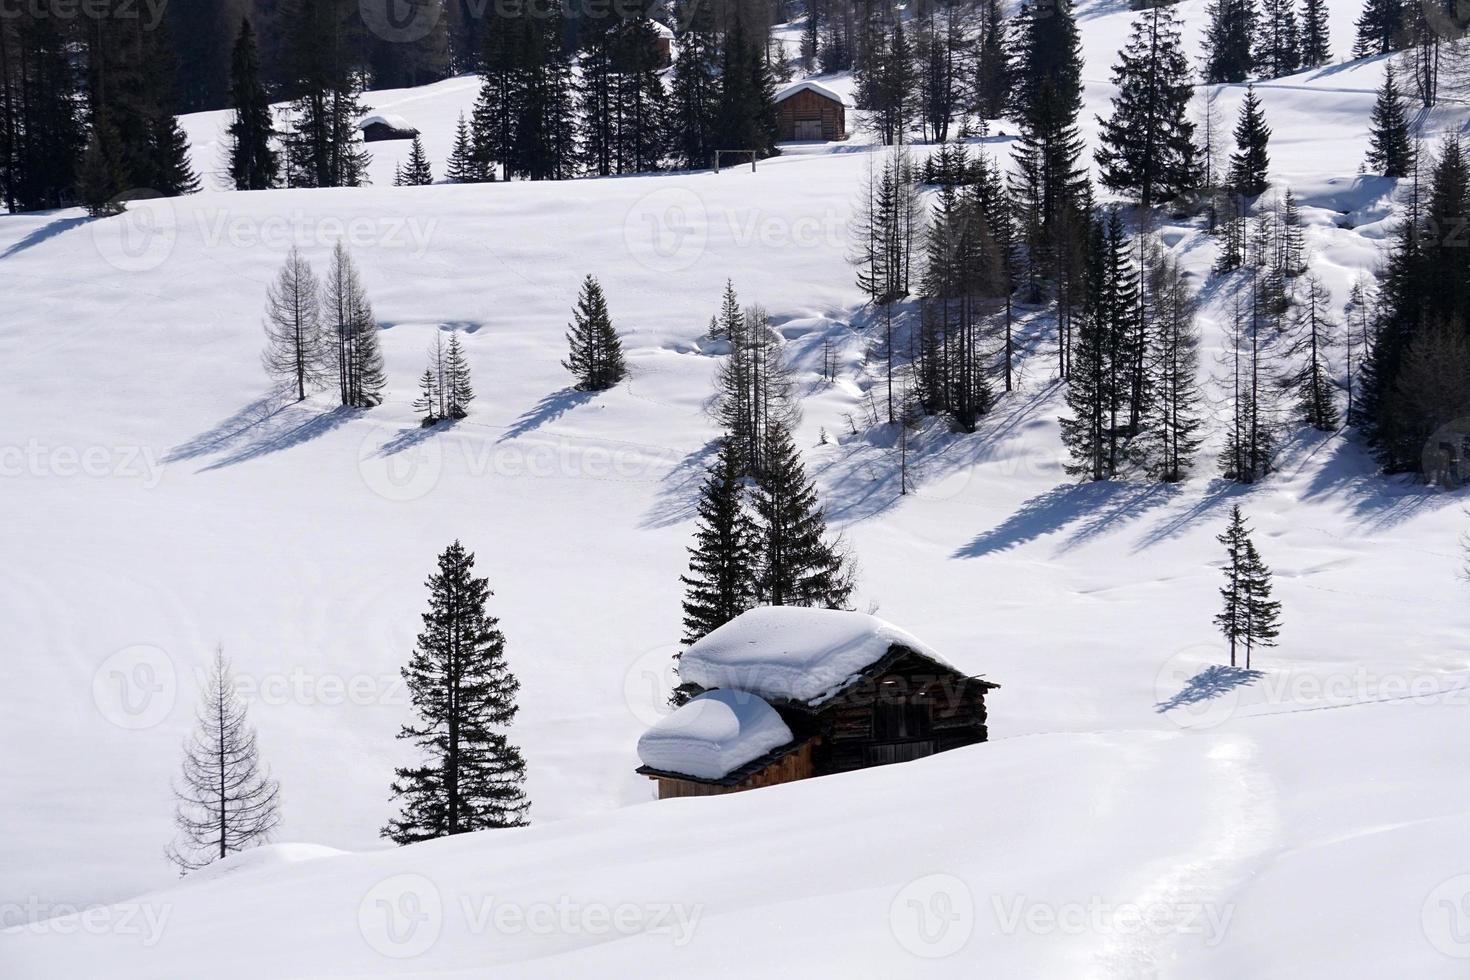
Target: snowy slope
column 162, row 500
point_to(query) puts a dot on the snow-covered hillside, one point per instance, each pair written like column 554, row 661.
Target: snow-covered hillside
column 1311, row 820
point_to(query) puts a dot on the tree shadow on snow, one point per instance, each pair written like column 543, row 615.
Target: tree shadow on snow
column 1101, row 506
column 1377, row 502
column 408, row 438
column 41, row 234
column 267, row 425
column 1209, row 683
column 1219, row 493
column 677, row 495
column 548, row 409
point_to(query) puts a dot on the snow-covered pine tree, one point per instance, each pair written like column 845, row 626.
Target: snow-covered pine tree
column 470, row 776
column 799, row 566
column 1229, row 39
column 1249, row 617
column 595, row 354
column 464, row 165
column 226, row 802
column 429, row 397
column 1316, row 35
column 416, row 172
column 724, row 559
column 1146, row 147
column 254, row 163
column 1391, row 150
column 1250, row 161
column 295, row 350
column 457, row 390
column 1313, row 336
column 350, row 322
column 1171, row 429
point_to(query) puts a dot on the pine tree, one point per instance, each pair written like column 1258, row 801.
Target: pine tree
column 322, row 147
column 471, row 777
column 1314, row 336
column 254, row 163
column 810, row 37
column 696, row 88
column 1380, row 28
column 886, row 81
column 295, row 348
column 226, row 803
column 1278, row 39
column 464, row 165
column 754, row 387
column 416, row 172
column 1171, row 432
column 723, row 561
column 456, row 383
column 354, row 333
column 746, row 114
column 1250, row 444
column 595, row 354
column 429, row 398
column 1316, row 36
column 799, row 566
column 1147, row 145
column 1229, row 41
column 101, row 178
column 42, row 135
column 542, row 104
column 1390, row 144
column 1249, row 617
column 990, row 88
column 1248, row 165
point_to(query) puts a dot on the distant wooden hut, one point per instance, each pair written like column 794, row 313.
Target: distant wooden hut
column 783, row 693
column 808, row 111
column 385, row 126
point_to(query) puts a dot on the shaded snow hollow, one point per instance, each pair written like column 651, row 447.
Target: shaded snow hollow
column 713, row 735
column 793, row 653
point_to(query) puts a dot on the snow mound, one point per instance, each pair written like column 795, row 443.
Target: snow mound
column 793, row 653
column 264, row 858
column 713, row 735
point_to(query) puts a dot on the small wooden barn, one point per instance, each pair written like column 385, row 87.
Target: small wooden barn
column 808, row 111
column 665, row 44
column 385, row 126
column 782, row 693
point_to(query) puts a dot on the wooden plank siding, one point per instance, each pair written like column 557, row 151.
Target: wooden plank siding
column 796, row 765
column 806, row 106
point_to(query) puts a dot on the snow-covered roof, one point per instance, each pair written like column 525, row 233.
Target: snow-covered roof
column 821, row 90
column 663, row 30
column 389, row 119
column 793, row 653
column 713, row 734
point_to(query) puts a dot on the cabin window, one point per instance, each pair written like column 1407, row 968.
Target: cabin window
column 894, row 720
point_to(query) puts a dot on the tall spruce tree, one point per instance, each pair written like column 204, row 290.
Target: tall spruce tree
column 799, row 565
column 464, row 165
column 225, row 802
column 595, row 355
column 324, row 84
column 1230, row 41
column 1316, row 34
column 1170, row 434
column 417, row 172
column 1381, row 28
column 1391, row 149
column 992, row 70
column 1313, row 336
column 456, row 387
column 1278, row 39
column 42, row 132
column 470, row 776
column 746, row 116
column 724, row 560
column 1249, row 617
column 1147, row 144
column 254, row 163
column 295, row 346
column 696, row 87
column 1250, row 162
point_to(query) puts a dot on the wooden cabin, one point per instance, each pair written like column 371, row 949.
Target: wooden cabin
column 808, row 111
column 665, row 44
column 383, row 126
column 784, row 693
